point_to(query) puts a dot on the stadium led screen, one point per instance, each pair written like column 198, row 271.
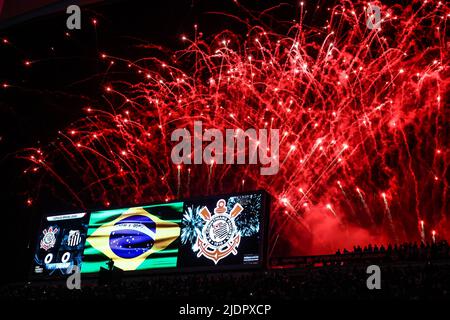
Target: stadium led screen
column 60, row 244
column 205, row 233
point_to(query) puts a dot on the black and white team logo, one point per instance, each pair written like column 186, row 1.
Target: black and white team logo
column 49, row 239
column 74, row 238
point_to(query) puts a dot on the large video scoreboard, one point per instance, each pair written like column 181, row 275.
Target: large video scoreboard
column 206, row 233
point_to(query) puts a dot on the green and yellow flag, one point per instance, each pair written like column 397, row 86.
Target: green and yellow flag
column 137, row 238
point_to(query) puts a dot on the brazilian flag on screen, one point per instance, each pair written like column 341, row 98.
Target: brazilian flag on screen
column 138, row 238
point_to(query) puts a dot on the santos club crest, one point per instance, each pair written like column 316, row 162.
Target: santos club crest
column 219, row 236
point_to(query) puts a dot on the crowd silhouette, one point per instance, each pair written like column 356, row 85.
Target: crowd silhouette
column 405, row 251
column 413, row 271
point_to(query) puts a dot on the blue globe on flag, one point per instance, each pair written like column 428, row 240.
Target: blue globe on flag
column 132, row 236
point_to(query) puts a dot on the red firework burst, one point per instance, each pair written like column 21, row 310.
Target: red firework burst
column 364, row 143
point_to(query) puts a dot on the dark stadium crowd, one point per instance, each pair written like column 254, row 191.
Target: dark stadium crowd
column 408, row 251
column 417, row 272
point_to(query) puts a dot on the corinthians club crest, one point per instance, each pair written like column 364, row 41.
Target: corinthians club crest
column 49, row 239
column 219, row 236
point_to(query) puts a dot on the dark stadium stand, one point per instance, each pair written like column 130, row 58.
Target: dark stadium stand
column 370, row 255
column 409, row 271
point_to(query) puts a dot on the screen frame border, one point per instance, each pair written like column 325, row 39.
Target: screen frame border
column 262, row 247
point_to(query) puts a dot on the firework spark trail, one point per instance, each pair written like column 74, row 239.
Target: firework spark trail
column 389, row 215
column 347, row 200
column 304, row 196
column 178, row 180
column 323, row 86
column 366, row 208
column 422, row 230
column 329, row 207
